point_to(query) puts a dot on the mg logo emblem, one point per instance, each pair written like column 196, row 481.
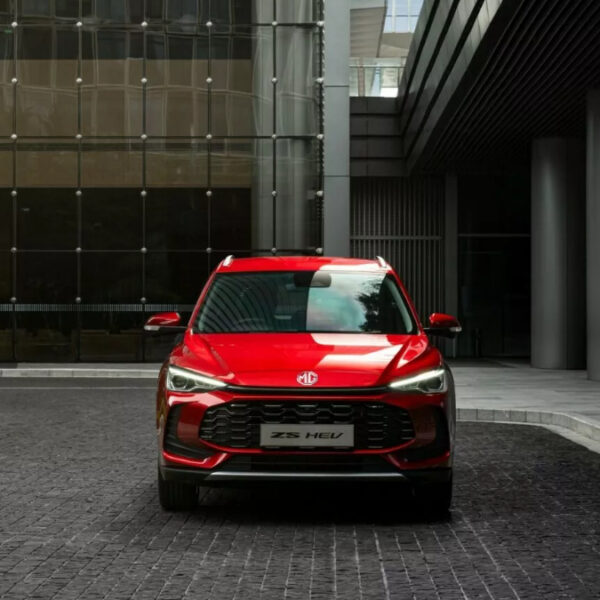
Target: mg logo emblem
column 307, row 378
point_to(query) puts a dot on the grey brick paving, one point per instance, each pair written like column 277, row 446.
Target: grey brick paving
column 79, row 517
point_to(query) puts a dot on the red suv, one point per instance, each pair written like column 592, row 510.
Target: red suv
column 304, row 369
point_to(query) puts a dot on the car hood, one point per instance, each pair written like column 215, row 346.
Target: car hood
column 276, row 360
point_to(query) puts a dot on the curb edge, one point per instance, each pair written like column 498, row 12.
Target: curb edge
column 577, row 424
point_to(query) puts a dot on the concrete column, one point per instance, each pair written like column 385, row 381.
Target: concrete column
column 336, row 208
column 558, row 254
column 593, row 235
column 451, row 255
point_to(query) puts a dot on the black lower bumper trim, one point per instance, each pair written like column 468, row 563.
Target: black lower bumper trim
column 224, row 476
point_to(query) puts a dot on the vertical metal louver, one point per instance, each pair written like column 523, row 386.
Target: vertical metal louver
column 402, row 220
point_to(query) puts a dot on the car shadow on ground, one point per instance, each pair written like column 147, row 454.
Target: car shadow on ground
column 285, row 504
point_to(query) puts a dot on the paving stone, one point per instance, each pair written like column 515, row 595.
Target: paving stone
column 79, row 518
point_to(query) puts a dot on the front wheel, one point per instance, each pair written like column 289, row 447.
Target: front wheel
column 434, row 498
column 174, row 495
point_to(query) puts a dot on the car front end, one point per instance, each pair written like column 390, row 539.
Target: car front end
column 248, row 406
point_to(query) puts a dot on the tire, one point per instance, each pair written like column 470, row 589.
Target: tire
column 174, row 495
column 434, row 499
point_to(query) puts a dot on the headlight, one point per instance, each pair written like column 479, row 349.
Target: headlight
column 428, row 382
column 182, row 380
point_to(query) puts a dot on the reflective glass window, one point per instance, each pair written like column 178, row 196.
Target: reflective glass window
column 6, row 167
column 6, row 331
column 67, row 9
column 231, row 212
column 46, row 93
column 242, row 89
column 34, row 8
column 46, row 163
column 297, row 108
column 112, row 163
column 242, row 171
column 46, row 219
column 241, row 12
column 172, row 164
column 111, row 332
column 232, row 12
column 112, row 92
column 5, row 277
column 177, row 219
column 111, row 219
column 46, row 277
column 6, row 11
column 6, row 211
column 182, row 11
column 111, row 277
column 46, row 333
column 176, row 277
column 296, row 183
column 7, row 72
column 299, row 11
column 100, row 12
column 177, row 90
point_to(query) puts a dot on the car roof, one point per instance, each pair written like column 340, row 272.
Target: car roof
column 300, row 263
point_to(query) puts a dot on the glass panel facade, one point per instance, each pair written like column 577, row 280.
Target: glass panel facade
column 141, row 141
column 402, row 15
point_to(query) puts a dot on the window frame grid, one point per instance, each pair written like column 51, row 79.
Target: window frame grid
column 144, row 304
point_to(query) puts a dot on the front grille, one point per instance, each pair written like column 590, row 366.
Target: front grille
column 338, row 463
column 237, row 424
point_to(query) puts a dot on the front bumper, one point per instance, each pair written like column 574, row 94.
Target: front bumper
column 227, row 477
column 186, row 456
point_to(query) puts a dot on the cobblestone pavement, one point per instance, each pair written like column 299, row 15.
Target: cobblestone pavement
column 79, row 517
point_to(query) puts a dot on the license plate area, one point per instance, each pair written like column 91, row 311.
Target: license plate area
column 306, row 436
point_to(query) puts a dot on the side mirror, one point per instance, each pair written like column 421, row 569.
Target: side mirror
column 164, row 323
column 443, row 326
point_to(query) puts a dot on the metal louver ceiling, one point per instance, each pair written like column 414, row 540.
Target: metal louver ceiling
column 530, row 81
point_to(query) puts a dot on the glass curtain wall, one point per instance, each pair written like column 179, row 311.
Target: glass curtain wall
column 141, row 141
column 402, row 15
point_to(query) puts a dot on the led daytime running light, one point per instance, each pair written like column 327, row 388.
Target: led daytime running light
column 198, row 381
column 410, row 382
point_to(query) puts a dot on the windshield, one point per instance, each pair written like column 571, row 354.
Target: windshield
column 304, row 301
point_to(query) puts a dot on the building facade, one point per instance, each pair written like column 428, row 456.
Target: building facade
column 141, row 142
column 496, row 124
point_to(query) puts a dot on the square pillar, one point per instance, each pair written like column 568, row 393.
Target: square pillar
column 336, row 204
column 593, row 235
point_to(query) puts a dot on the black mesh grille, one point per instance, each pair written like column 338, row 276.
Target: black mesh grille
column 237, row 424
column 323, row 463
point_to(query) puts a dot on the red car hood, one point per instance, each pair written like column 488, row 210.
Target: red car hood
column 276, row 360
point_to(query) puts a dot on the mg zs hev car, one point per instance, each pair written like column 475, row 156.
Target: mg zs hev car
column 304, row 369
